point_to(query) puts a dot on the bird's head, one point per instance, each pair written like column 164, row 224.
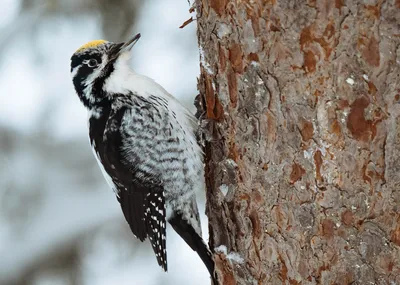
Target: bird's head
column 93, row 64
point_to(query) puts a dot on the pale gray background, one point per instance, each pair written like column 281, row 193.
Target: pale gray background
column 59, row 222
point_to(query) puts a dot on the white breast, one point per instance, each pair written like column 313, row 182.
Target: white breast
column 124, row 80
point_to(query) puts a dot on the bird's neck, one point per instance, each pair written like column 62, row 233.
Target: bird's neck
column 90, row 97
column 90, row 88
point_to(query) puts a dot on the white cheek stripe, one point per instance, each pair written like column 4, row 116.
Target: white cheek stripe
column 75, row 71
column 92, row 77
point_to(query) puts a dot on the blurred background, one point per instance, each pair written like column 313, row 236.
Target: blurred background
column 59, row 221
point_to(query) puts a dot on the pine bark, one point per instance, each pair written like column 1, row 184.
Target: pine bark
column 302, row 125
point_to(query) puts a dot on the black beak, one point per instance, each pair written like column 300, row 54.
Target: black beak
column 129, row 44
column 122, row 47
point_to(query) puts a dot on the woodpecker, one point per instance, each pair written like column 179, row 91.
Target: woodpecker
column 145, row 143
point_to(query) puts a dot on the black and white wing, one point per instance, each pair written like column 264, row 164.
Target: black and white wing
column 140, row 193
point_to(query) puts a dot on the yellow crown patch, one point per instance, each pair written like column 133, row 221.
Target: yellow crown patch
column 91, row 45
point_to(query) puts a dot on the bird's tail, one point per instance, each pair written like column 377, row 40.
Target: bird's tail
column 190, row 236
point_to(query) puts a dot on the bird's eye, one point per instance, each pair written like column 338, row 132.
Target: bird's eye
column 92, row 62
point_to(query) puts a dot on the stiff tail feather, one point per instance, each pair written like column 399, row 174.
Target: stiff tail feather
column 190, row 236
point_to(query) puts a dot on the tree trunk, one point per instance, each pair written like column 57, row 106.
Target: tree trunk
column 302, row 127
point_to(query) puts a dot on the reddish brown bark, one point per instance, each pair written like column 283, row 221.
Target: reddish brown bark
column 302, row 103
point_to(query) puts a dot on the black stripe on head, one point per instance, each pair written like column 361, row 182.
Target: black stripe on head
column 113, row 53
column 79, row 61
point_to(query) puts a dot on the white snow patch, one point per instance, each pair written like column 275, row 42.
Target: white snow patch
column 224, row 189
column 365, row 77
column 255, row 63
column 324, row 147
column 344, row 118
column 308, row 154
column 366, row 202
column 231, row 162
column 213, row 86
column 221, row 249
column 350, row 81
column 233, row 257
column 204, row 63
column 223, row 30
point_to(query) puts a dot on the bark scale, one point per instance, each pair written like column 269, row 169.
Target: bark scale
column 302, row 122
